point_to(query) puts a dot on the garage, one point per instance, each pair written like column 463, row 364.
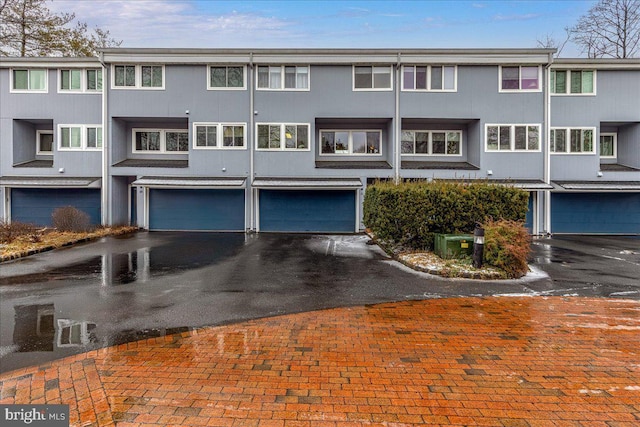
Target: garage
column 35, row 205
column 595, row 213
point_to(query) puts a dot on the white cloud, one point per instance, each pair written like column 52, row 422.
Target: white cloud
column 523, row 17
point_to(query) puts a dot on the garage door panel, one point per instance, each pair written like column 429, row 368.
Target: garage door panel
column 193, row 209
column 327, row 211
column 35, row 205
column 605, row 213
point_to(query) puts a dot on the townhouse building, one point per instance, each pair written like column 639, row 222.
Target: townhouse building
column 287, row 140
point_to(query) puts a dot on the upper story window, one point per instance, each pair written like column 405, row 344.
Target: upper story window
column 80, row 80
column 608, row 145
column 520, row 78
column 138, row 77
column 512, row 138
column 283, row 77
column 226, row 77
column 29, row 80
column 572, row 140
column 79, row 137
column 371, row 77
column 283, row 136
column 160, row 140
column 44, row 142
column 219, row 135
column 429, row 142
column 573, row 82
column 435, row 78
column 351, row 142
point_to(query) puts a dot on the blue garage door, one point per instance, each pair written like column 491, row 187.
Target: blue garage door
column 605, row 213
column 35, row 205
column 322, row 211
column 192, row 209
column 529, row 219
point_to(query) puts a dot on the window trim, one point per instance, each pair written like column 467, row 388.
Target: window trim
column 83, row 81
column 283, row 126
column 83, row 137
column 519, row 90
column 615, row 145
column 350, row 143
column 371, row 89
column 219, row 136
column 428, row 89
column 512, row 139
column 29, row 69
column 430, row 142
column 568, row 130
column 244, row 76
column 138, row 77
column 44, row 132
column 282, row 78
column 163, row 141
column 569, row 93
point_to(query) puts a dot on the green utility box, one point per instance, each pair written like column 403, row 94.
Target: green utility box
column 448, row 246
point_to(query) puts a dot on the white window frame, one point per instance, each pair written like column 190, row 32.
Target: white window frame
column 615, row 145
column 568, row 129
column 568, row 92
column 163, row 141
column 83, row 81
column 40, row 133
column 226, row 66
column 430, row 142
column 372, row 89
column 28, row 70
column 512, row 137
column 219, row 136
column 283, row 141
column 83, row 137
column 282, row 78
column 519, row 90
column 138, row 77
column 428, row 89
column 349, row 143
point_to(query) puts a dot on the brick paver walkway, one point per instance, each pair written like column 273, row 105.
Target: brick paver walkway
column 461, row 361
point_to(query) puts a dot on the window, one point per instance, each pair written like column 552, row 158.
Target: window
column 222, row 77
column 286, row 136
column 160, row 140
column 513, row 137
column 351, row 142
column 219, row 135
column 429, row 78
column 44, row 142
column 524, row 78
column 573, row 82
column 79, row 137
column 572, row 140
column 30, row 80
column 138, row 76
column 372, row 77
column 283, row 77
column 608, row 145
column 437, row 143
column 80, row 80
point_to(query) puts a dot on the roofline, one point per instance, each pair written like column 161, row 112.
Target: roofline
column 597, row 63
column 327, row 51
column 49, row 61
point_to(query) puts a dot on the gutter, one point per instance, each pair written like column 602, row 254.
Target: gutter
column 252, row 220
column 106, row 184
column 396, row 124
column 547, row 156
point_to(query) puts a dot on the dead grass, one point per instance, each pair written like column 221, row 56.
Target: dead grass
column 48, row 239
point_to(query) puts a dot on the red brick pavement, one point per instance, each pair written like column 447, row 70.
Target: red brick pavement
column 507, row 362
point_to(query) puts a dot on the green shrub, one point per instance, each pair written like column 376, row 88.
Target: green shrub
column 410, row 213
column 68, row 218
column 507, row 245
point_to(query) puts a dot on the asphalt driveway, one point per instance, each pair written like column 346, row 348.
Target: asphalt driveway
column 122, row 289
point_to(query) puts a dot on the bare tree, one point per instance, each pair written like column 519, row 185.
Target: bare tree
column 549, row 42
column 610, row 29
column 29, row 28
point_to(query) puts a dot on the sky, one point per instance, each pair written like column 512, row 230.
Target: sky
column 330, row 24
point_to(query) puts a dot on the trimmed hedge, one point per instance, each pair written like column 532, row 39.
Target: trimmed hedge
column 410, row 213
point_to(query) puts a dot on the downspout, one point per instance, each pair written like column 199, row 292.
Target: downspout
column 252, row 222
column 547, row 155
column 396, row 125
column 106, row 209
